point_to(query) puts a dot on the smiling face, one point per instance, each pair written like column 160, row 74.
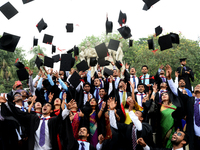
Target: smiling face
column 83, row 132
column 177, row 138
column 130, row 101
column 197, row 89
column 99, row 74
column 181, row 83
column 139, row 115
column 132, row 71
column 46, row 109
column 93, row 102
column 165, row 97
column 86, row 88
column 162, row 72
column 115, row 73
column 140, row 88
column 163, row 85
column 38, row 105
column 23, row 93
column 144, row 70
column 102, row 93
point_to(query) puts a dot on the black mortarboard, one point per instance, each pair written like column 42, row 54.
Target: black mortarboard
column 107, row 72
column 70, row 51
column 53, row 49
column 158, row 30
column 76, row 51
column 48, row 61
column 109, row 26
column 19, row 65
column 149, row 3
column 182, row 59
column 151, row 44
column 165, row 42
column 82, row 66
column 102, row 62
column 70, row 27
column 35, row 42
column 47, row 39
column 113, row 44
column 38, row 62
column 93, row 61
column 118, row 64
column 41, row 25
column 56, row 58
column 122, row 18
column 22, row 74
column 125, row 31
column 75, row 79
column 26, row 1
column 174, row 37
column 8, row 10
column 101, row 50
column 9, row 42
column 130, row 43
column 66, row 60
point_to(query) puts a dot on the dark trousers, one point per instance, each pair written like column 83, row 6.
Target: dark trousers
column 197, row 143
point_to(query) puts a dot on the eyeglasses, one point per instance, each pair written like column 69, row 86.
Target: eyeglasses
column 17, row 95
column 178, row 133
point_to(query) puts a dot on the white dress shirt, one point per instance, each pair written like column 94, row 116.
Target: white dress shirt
column 139, row 100
column 47, row 145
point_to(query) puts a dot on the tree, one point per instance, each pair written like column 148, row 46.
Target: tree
column 139, row 54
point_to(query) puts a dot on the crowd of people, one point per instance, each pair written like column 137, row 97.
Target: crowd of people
column 75, row 110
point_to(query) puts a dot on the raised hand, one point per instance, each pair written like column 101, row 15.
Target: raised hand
column 70, row 104
column 64, row 96
column 89, row 96
column 112, row 104
column 132, row 85
column 50, row 96
column 33, row 99
column 161, row 67
column 127, row 66
column 176, row 74
column 103, row 105
column 168, row 72
column 56, row 74
column 101, row 138
column 30, row 72
column 155, row 87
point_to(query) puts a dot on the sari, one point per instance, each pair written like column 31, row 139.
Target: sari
column 167, row 124
column 108, row 130
column 93, row 129
column 75, row 125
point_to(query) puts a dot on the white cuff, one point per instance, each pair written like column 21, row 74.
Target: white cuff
column 146, row 147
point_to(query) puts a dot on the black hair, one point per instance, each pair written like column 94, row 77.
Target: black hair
column 141, row 84
column 145, row 66
column 103, row 89
column 168, row 94
column 86, row 83
column 186, row 138
column 181, row 78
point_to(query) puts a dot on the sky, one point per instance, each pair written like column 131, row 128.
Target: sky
column 89, row 17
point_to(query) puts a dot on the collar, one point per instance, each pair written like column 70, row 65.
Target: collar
column 145, row 75
column 101, row 101
column 133, row 76
column 82, row 140
column 18, row 106
column 178, row 149
column 120, row 91
column 141, row 93
column 48, row 117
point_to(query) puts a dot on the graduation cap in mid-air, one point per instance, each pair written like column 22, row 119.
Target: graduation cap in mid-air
column 113, row 44
column 101, row 50
column 66, row 62
column 118, row 64
column 149, row 3
column 82, row 66
column 47, row 39
column 109, row 26
column 26, row 1
column 75, row 79
column 48, row 61
column 8, row 42
column 122, row 18
column 174, row 38
column 165, row 42
column 158, row 30
column 56, row 58
column 53, row 49
column 8, row 10
column 38, row 62
column 125, row 32
column 41, row 25
column 93, row 61
column 35, row 42
column 70, row 27
column 151, row 44
column 22, row 74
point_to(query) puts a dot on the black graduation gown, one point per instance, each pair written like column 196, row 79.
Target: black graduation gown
column 32, row 121
column 158, row 79
column 125, row 135
column 72, row 142
column 151, row 81
column 189, row 109
column 186, row 76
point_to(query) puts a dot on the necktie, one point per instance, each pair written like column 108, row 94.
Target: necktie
column 196, row 113
column 97, row 93
column 163, row 79
column 134, row 143
column 82, row 146
column 101, row 83
column 144, row 79
column 134, row 82
column 181, row 70
column 100, row 103
column 184, row 68
column 42, row 133
column 160, row 100
column 22, row 108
